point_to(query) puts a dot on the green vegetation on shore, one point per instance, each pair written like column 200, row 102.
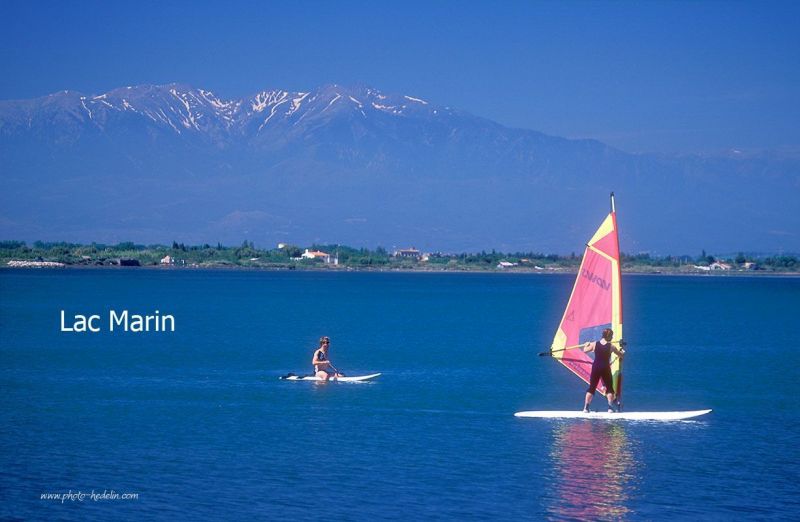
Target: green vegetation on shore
column 344, row 257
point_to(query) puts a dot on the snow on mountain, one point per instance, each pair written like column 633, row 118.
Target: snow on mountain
column 183, row 109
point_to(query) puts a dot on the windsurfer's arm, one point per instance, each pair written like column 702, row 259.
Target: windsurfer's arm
column 619, row 351
column 588, row 347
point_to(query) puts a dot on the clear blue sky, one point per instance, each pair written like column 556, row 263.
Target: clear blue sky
column 642, row 76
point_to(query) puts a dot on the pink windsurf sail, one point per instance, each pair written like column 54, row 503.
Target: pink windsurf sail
column 595, row 304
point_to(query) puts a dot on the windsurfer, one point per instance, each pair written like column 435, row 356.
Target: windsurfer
column 323, row 368
column 601, row 368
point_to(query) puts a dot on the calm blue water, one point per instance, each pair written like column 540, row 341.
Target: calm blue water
column 197, row 423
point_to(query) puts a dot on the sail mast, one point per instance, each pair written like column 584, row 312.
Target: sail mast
column 616, row 366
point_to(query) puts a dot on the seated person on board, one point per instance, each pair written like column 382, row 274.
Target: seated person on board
column 323, row 368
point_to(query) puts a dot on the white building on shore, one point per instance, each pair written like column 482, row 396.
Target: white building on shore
column 316, row 254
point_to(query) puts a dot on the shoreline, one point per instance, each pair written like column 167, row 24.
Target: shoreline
column 326, row 269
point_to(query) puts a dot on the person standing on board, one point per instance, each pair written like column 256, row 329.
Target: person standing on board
column 323, row 368
column 601, row 368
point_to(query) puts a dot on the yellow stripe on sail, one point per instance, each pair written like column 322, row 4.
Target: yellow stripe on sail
column 559, row 343
column 605, row 229
column 616, row 320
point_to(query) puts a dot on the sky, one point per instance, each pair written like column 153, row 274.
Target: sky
column 666, row 77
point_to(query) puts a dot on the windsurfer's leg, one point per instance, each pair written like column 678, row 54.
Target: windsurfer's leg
column 608, row 382
column 594, row 379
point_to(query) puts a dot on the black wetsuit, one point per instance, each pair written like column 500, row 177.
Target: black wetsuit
column 601, row 368
column 320, row 356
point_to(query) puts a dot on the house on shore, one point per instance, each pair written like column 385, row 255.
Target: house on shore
column 316, row 254
column 408, row 253
column 719, row 265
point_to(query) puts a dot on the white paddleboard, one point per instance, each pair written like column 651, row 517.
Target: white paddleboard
column 602, row 415
column 355, row 378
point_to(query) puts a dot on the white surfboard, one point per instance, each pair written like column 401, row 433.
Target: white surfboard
column 602, row 415
column 355, row 378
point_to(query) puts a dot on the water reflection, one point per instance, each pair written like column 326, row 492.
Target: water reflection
column 594, row 466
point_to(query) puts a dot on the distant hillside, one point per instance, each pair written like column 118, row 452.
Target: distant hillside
column 357, row 166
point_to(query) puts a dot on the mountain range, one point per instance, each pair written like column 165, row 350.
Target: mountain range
column 357, row 166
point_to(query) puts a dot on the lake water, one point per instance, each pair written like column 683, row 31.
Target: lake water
column 198, row 425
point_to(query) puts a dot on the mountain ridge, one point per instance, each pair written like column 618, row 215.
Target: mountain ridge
column 352, row 164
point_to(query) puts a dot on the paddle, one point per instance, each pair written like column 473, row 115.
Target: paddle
column 338, row 373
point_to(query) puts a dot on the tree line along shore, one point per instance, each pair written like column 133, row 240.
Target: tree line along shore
column 285, row 256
